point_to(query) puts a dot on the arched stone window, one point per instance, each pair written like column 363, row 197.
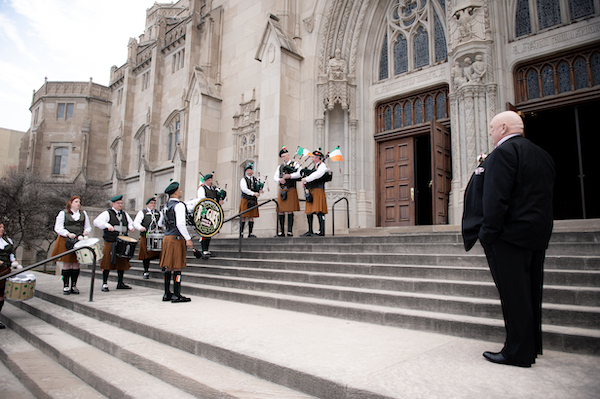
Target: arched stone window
column 415, row 36
column 61, row 155
column 173, row 136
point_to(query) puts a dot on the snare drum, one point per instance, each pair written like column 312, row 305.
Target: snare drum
column 125, row 247
column 20, row 287
column 84, row 255
column 154, row 241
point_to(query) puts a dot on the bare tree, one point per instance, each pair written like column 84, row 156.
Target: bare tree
column 29, row 205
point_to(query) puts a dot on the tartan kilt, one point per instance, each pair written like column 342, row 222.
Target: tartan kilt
column 122, row 263
column 60, row 247
column 144, row 253
column 173, row 255
column 244, row 205
column 319, row 202
column 291, row 203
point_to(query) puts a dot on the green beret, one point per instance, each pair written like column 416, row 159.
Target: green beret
column 208, row 176
column 150, row 199
column 172, row 188
column 116, row 198
column 248, row 166
column 283, row 151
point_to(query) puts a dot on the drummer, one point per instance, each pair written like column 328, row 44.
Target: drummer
column 71, row 222
column 114, row 222
column 207, row 190
column 7, row 259
column 173, row 258
column 146, row 221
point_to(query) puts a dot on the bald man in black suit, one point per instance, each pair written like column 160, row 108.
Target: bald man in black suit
column 508, row 207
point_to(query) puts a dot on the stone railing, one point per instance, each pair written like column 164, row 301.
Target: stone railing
column 74, row 89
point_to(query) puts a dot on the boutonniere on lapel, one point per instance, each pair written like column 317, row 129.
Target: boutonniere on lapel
column 481, row 157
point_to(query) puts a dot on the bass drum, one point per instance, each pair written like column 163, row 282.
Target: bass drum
column 125, row 247
column 208, row 217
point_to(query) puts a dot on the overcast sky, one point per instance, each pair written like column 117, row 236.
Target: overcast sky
column 64, row 40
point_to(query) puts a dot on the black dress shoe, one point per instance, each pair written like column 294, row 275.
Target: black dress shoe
column 104, row 287
column 74, row 290
column 167, row 297
column 180, row 298
column 123, row 287
column 66, row 291
column 280, row 235
column 320, row 233
column 307, row 234
column 290, row 234
column 251, row 236
column 500, row 359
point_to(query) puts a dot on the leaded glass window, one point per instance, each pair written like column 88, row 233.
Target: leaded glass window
column 564, row 77
column 428, row 108
column 548, row 81
column 407, row 113
column 533, row 87
column 383, row 63
column 388, row 118
column 440, row 106
column 421, row 48
column 400, row 56
column 397, row 116
column 411, row 26
column 548, row 13
column 523, row 22
column 441, row 49
column 418, row 111
column 596, row 69
column 581, row 8
column 580, row 74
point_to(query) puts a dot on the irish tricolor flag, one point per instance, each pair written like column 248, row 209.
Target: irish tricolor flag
column 302, row 152
column 336, row 155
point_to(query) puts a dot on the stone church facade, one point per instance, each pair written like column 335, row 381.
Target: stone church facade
column 405, row 88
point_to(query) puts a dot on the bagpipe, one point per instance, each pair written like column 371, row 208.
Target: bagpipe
column 260, row 184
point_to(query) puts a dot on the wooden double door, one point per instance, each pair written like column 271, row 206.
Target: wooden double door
column 414, row 176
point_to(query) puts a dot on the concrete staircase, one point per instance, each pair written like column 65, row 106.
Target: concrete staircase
column 418, row 281
column 127, row 343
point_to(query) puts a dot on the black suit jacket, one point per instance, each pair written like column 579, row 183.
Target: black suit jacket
column 509, row 197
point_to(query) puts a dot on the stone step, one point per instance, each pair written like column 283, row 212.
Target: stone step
column 454, row 297
column 374, row 246
column 170, row 367
column 101, row 371
column 464, row 260
column 218, row 265
column 334, row 358
column 36, row 372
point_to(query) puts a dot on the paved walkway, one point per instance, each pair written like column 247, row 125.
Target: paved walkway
column 389, row 361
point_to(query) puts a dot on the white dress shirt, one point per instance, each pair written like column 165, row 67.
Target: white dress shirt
column 180, row 220
column 3, row 243
column 103, row 219
column 59, row 224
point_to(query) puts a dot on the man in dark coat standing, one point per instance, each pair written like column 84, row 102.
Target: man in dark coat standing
column 508, row 207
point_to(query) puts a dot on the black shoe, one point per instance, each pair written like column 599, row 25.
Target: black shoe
column 66, row 291
column 251, row 236
column 320, row 233
column 167, row 297
column 123, row 286
column 205, row 255
column 104, row 287
column 290, row 234
column 307, row 234
column 180, row 298
column 499, row 358
column 280, row 235
column 211, row 254
column 74, row 290
column 146, row 275
column 2, row 326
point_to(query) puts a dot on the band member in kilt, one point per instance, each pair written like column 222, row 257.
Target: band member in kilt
column 147, row 220
column 7, row 259
column 250, row 194
column 71, row 223
column 288, row 195
column 316, row 188
column 208, row 190
column 173, row 258
column 115, row 222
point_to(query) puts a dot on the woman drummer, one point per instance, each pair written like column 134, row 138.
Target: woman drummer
column 7, row 258
column 72, row 222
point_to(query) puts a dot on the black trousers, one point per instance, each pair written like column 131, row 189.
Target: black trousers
column 518, row 274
